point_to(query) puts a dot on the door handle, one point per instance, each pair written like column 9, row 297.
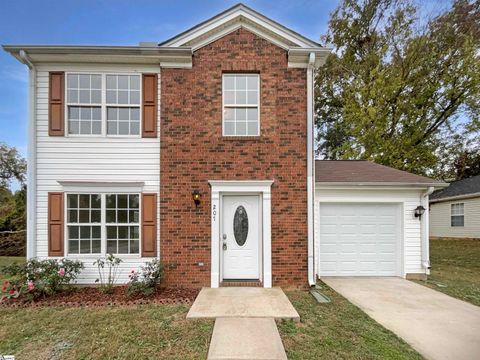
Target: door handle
column 224, row 246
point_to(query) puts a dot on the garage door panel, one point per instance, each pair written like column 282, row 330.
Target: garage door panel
column 359, row 239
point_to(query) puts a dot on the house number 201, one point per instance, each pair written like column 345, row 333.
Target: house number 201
column 214, row 212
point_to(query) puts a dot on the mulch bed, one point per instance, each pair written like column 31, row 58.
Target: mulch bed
column 92, row 296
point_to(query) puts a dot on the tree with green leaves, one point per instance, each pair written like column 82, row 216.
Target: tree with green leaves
column 12, row 204
column 395, row 89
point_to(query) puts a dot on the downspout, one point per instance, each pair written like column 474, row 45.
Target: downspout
column 425, row 230
column 310, row 169
column 31, row 159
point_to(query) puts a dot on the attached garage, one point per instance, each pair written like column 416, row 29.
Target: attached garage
column 365, row 220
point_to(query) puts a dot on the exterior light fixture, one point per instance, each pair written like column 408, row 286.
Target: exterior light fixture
column 419, row 211
column 196, row 197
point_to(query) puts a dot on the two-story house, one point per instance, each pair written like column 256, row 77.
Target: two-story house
column 197, row 151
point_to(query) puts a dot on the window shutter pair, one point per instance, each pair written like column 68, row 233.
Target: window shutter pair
column 56, row 224
column 56, row 104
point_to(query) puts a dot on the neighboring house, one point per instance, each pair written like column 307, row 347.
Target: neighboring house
column 455, row 210
column 197, row 151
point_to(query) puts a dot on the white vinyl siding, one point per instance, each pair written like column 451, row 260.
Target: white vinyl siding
column 440, row 219
column 91, row 159
column 408, row 200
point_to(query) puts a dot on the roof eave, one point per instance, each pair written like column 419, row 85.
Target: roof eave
column 181, row 56
column 380, row 183
column 456, row 197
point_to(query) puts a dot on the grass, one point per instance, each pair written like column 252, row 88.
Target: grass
column 7, row 260
column 455, row 269
column 338, row 330
column 142, row 332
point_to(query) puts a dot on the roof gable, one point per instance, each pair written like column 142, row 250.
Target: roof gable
column 234, row 18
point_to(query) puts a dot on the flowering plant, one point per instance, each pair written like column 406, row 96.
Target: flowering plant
column 145, row 281
column 40, row 277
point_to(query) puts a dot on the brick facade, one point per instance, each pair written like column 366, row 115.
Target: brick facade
column 193, row 151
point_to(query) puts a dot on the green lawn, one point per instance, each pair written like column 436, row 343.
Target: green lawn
column 7, row 260
column 338, row 330
column 142, row 332
column 455, row 269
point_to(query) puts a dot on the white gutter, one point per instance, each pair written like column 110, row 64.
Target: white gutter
column 310, row 169
column 425, row 231
column 31, row 160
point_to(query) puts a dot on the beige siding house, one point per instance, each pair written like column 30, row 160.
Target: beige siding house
column 455, row 211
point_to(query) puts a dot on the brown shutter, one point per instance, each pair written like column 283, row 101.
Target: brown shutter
column 55, row 224
column 149, row 225
column 149, row 105
column 56, row 104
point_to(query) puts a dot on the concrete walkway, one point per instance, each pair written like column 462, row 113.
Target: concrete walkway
column 436, row 325
column 245, row 321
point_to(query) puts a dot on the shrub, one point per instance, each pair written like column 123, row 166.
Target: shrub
column 40, row 277
column 147, row 280
column 108, row 278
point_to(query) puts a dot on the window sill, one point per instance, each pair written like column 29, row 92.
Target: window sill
column 243, row 138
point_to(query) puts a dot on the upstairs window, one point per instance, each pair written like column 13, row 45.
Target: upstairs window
column 84, row 102
column 457, row 217
column 95, row 99
column 123, row 104
column 241, row 109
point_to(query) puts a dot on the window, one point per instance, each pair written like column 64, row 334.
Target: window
column 123, row 104
column 241, row 105
column 93, row 97
column 457, row 214
column 123, row 217
column 103, row 222
column 84, row 101
column 84, row 223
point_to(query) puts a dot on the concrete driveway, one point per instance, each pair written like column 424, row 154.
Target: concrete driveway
column 436, row 325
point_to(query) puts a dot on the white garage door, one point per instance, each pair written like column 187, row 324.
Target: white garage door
column 359, row 239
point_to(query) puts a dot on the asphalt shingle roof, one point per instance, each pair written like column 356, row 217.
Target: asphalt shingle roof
column 360, row 171
column 457, row 188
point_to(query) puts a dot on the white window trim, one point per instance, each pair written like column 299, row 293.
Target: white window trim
column 457, row 215
column 243, row 105
column 103, row 224
column 103, row 104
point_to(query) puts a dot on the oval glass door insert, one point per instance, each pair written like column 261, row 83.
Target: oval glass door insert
column 240, row 225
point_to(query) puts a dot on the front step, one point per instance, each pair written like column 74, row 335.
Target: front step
column 246, row 338
column 241, row 283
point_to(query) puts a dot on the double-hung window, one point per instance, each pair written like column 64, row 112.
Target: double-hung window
column 103, row 223
column 99, row 104
column 457, row 215
column 241, row 105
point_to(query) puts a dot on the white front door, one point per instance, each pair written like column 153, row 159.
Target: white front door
column 241, row 237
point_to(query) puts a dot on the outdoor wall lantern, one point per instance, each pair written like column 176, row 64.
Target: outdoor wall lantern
column 419, row 210
column 196, row 197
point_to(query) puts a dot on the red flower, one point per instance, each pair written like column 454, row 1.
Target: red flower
column 5, row 283
column 4, row 288
column 14, row 286
column 11, row 292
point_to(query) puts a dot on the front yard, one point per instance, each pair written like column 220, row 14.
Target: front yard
column 338, row 330
column 141, row 332
column 455, row 269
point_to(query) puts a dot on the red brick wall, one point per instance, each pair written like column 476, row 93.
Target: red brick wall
column 193, row 151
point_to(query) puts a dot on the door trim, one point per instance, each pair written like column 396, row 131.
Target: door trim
column 241, row 187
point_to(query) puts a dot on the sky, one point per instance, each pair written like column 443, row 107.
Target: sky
column 116, row 22
column 123, row 22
